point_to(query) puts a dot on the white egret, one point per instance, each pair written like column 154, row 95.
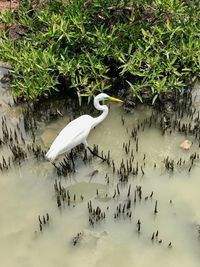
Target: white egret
column 77, row 131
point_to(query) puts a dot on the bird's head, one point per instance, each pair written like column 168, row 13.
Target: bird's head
column 103, row 96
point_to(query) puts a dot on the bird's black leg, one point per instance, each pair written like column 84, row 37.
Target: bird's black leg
column 93, row 153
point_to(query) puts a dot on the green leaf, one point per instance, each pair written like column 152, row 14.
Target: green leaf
column 154, row 98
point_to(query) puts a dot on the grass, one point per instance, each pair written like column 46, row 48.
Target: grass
column 95, row 46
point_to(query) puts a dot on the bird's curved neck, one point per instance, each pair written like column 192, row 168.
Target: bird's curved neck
column 103, row 115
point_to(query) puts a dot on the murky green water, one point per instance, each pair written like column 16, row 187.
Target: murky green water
column 27, row 191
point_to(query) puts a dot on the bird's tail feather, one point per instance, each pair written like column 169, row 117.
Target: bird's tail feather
column 51, row 154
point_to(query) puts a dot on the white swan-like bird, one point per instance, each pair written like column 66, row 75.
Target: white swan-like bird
column 77, row 131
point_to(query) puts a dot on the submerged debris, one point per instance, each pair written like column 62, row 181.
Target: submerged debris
column 77, row 239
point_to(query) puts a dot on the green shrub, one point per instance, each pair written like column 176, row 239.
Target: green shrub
column 90, row 46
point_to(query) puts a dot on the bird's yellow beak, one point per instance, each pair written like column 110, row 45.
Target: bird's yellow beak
column 115, row 99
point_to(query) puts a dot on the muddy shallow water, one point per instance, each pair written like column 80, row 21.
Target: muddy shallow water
column 131, row 229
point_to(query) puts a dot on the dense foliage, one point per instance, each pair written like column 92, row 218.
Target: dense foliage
column 97, row 45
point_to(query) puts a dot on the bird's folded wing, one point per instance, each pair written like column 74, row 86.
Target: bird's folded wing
column 73, row 132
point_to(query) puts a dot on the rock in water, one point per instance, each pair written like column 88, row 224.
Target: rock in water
column 186, row 144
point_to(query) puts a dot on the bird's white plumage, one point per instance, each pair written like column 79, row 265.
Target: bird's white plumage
column 72, row 135
column 76, row 132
